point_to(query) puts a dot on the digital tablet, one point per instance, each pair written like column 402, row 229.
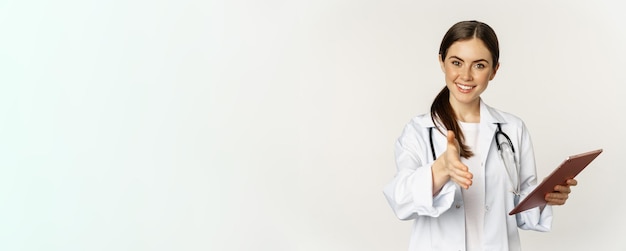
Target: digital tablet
column 570, row 167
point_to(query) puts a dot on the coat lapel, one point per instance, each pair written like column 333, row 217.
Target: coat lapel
column 488, row 125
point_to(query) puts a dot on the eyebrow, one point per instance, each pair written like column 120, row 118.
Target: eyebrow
column 475, row 61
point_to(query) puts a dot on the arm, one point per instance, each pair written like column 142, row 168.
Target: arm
column 410, row 193
column 538, row 219
column 421, row 188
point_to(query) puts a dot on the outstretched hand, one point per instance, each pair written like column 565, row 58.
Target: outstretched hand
column 449, row 166
column 561, row 193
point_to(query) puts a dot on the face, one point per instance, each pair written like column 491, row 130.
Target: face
column 468, row 68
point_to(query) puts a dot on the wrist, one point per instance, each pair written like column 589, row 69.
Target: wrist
column 439, row 170
column 439, row 176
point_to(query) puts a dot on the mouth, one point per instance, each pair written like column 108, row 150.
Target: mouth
column 464, row 88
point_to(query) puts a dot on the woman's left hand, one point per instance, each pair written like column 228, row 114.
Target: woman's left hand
column 561, row 193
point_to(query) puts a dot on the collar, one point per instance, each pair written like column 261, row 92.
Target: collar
column 488, row 115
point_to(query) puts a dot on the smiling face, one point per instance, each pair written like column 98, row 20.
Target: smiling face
column 468, row 68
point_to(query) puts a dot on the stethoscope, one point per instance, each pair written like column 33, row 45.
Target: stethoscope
column 506, row 152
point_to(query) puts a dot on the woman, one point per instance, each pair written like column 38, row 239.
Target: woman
column 451, row 179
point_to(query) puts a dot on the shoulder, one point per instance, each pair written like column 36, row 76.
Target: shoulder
column 417, row 127
column 419, row 123
column 415, row 135
column 422, row 120
column 509, row 117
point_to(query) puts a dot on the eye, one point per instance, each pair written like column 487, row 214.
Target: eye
column 456, row 63
column 479, row 66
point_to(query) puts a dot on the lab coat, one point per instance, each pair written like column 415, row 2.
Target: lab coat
column 439, row 221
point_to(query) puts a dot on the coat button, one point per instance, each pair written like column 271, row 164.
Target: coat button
column 458, row 206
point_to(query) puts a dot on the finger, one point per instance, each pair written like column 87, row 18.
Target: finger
column 457, row 165
column 461, row 181
column 559, row 197
column 461, row 176
column 556, row 198
column 465, row 178
column 562, row 189
column 572, row 182
column 555, row 202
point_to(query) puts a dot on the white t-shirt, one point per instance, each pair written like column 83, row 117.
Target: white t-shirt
column 474, row 197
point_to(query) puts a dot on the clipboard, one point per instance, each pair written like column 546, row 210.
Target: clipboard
column 568, row 169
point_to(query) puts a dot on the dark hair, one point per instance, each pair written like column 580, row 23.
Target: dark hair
column 441, row 109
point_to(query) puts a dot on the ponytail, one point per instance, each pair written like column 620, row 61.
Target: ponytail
column 442, row 113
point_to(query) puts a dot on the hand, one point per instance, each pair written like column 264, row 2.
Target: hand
column 561, row 193
column 449, row 166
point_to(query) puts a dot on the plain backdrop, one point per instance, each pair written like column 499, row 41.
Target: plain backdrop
column 270, row 125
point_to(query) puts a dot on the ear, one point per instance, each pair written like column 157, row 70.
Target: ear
column 493, row 74
column 441, row 63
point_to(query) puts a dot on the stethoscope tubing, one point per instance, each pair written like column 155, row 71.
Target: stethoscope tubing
column 506, row 165
column 498, row 132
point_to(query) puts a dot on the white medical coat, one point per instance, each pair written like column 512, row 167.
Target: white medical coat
column 439, row 221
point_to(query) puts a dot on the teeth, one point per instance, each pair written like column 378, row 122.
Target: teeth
column 464, row 87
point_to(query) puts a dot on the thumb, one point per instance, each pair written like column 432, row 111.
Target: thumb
column 451, row 138
column 453, row 144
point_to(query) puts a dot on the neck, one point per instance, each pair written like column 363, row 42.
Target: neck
column 467, row 112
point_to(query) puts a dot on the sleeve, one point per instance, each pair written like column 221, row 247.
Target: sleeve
column 534, row 219
column 410, row 192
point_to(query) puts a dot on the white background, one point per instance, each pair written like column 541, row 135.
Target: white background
column 269, row 125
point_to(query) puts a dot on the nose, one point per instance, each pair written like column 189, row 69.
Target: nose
column 466, row 73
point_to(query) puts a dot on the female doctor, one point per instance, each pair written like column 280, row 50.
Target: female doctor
column 451, row 179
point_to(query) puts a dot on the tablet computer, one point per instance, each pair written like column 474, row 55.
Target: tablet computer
column 568, row 169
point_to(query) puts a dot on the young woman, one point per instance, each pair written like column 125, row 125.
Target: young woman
column 451, row 179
